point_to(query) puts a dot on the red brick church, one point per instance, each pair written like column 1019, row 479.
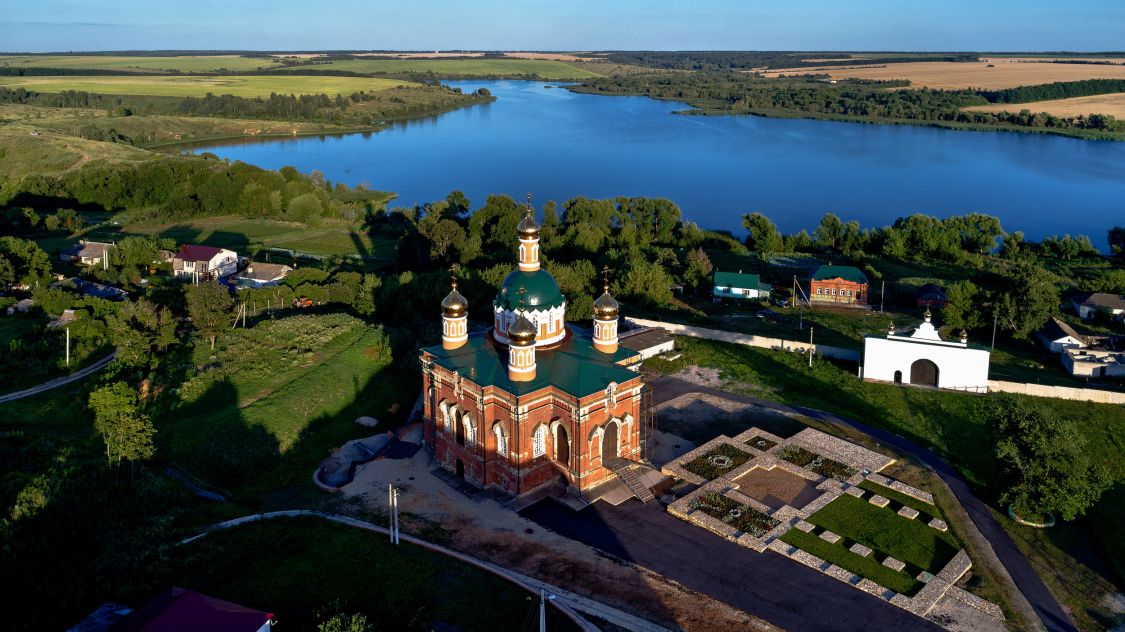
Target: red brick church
column 533, row 400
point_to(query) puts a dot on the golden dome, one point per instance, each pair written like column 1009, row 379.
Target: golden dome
column 528, row 227
column 606, row 307
column 454, row 305
column 522, row 332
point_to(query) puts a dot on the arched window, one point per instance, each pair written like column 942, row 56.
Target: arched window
column 539, row 441
column 501, row 441
column 470, row 430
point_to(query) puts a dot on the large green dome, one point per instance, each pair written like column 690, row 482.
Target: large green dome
column 542, row 291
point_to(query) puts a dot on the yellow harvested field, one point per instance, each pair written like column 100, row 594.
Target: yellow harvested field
column 548, row 56
column 183, row 86
column 954, row 75
column 1112, row 104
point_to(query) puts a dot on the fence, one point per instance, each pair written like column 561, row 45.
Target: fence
column 1059, row 392
column 750, row 340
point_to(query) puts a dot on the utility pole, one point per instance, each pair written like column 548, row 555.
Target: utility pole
column 810, row 346
column 882, row 291
column 994, row 328
column 543, row 599
column 392, row 512
column 68, row 346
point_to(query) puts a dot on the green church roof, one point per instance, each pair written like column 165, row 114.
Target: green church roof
column 542, row 290
column 847, row 273
column 574, row 367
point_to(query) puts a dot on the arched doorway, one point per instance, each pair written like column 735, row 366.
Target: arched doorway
column 460, row 468
column 609, row 443
column 562, row 445
column 459, row 427
column 898, row 377
column 924, row 373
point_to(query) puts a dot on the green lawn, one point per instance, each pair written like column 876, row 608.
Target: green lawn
column 305, row 569
column 887, row 532
column 185, row 63
column 277, row 398
column 839, row 555
column 187, row 86
column 543, row 69
column 238, row 233
column 927, row 511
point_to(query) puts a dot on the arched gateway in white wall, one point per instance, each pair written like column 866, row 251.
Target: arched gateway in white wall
column 922, row 358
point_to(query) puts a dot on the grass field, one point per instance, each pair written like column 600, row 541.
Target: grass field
column 276, row 399
column 239, row 233
column 956, row 75
column 186, row 63
column 305, row 570
column 25, row 150
column 184, row 86
column 1111, row 104
column 542, row 68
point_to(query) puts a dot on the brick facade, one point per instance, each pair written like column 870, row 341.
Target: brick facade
column 837, row 291
column 461, row 420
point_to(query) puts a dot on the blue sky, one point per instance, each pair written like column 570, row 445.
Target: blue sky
column 988, row 25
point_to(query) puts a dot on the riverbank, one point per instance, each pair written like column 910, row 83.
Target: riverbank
column 716, row 107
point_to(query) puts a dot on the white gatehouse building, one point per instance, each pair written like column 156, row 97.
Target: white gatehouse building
column 922, row 358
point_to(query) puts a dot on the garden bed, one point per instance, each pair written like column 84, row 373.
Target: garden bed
column 868, row 567
column 816, row 463
column 760, row 442
column 926, row 511
column 740, row 516
column 718, row 462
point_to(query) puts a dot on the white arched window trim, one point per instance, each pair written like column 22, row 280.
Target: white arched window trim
column 443, row 407
column 539, row 441
column 470, row 430
column 501, row 440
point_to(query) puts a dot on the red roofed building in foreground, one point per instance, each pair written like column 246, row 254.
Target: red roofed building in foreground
column 182, row 610
column 534, row 401
column 203, row 263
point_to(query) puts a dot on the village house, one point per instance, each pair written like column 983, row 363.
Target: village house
column 183, row 609
column 202, row 263
column 930, row 296
column 1058, row 336
column 1091, row 304
column 844, row 285
column 87, row 253
column 922, row 358
column 1094, row 363
column 262, row 275
column 533, row 402
column 739, row 286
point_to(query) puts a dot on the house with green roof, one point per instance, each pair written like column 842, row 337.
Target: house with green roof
column 736, row 285
column 838, row 285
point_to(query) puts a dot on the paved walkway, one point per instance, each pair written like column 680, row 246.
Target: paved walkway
column 567, row 602
column 59, row 381
column 1048, row 609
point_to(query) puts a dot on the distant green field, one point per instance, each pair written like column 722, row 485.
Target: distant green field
column 545, row 69
column 239, row 233
column 184, row 86
column 187, row 63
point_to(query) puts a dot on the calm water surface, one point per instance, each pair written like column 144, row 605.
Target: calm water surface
column 557, row 145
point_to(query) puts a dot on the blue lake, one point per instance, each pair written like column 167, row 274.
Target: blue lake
column 556, row 145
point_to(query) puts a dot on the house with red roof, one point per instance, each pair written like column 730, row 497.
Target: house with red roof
column 202, row 263
column 182, row 610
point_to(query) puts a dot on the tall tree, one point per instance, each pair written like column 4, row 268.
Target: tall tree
column 127, row 431
column 763, row 238
column 139, row 331
column 698, row 272
column 962, row 307
column 1116, row 239
column 829, row 232
column 1028, row 299
column 1044, row 462
column 209, row 305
